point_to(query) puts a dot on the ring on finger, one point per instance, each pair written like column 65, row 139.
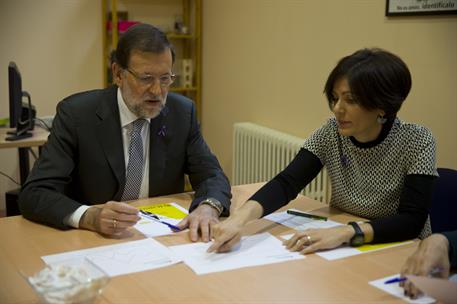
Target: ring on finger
column 308, row 240
column 114, row 223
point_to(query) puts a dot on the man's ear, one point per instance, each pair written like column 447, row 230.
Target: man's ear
column 116, row 70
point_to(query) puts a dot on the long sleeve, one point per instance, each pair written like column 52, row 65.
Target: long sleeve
column 43, row 198
column 287, row 184
column 81, row 163
column 415, row 201
column 204, row 170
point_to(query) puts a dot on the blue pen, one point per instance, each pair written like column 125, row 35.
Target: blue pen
column 154, row 217
column 432, row 273
column 395, row 280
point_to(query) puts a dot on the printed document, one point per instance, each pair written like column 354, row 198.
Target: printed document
column 171, row 213
column 298, row 222
column 347, row 251
column 119, row 259
column 259, row 249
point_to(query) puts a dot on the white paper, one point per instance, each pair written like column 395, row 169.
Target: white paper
column 151, row 228
column 345, row 250
column 445, row 291
column 299, row 222
column 259, row 249
column 332, row 254
column 395, row 290
column 121, row 258
column 339, row 253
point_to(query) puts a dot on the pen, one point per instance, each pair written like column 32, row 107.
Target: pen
column 311, row 216
column 154, row 217
column 395, row 280
column 432, row 273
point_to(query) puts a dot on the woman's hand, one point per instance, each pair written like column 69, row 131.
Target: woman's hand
column 312, row 240
column 228, row 233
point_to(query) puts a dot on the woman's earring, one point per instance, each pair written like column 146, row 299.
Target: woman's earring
column 381, row 119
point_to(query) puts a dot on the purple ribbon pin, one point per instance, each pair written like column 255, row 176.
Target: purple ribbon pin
column 162, row 131
column 344, row 160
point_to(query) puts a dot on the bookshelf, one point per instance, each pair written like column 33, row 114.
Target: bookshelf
column 180, row 19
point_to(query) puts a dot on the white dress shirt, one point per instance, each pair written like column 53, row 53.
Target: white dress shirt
column 126, row 118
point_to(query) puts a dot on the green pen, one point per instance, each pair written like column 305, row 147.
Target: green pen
column 301, row 213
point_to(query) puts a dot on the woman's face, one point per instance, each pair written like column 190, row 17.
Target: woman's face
column 354, row 120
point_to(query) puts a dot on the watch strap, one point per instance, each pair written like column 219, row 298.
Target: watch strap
column 359, row 237
column 213, row 203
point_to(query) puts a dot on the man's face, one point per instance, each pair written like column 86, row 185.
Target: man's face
column 145, row 82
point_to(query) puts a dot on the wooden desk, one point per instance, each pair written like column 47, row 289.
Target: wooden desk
column 311, row 280
column 39, row 138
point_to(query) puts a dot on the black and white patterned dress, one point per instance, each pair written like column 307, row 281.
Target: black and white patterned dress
column 368, row 182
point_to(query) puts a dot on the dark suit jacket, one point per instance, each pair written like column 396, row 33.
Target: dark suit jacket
column 83, row 160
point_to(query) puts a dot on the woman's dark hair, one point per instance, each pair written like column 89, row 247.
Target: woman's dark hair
column 377, row 80
column 141, row 37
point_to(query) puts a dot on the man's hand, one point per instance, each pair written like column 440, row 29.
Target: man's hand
column 200, row 220
column 110, row 219
column 432, row 256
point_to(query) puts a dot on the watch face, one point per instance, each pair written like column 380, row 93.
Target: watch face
column 357, row 240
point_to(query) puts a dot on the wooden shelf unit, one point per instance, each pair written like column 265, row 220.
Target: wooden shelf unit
column 155, row 12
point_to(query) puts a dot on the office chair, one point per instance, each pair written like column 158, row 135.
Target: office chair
column 443, row 213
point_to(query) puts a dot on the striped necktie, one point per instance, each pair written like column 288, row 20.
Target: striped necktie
column 135, row 166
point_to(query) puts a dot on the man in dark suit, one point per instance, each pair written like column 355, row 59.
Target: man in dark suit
column 129, row 141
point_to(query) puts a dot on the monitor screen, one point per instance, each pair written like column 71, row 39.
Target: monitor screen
column 21, row 117
column 15, row 86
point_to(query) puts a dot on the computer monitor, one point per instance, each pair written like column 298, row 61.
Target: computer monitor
column 21, row 116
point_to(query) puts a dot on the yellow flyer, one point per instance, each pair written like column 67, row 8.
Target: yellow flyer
column 170, row 210
column 371, row 247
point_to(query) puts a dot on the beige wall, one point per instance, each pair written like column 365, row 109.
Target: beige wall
column 266, row 61
column 58, row 48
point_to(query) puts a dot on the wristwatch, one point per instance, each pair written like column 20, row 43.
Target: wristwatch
column 359, row 237
column 213, row 203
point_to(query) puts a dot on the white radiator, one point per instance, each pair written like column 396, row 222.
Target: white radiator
column 261, row 153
